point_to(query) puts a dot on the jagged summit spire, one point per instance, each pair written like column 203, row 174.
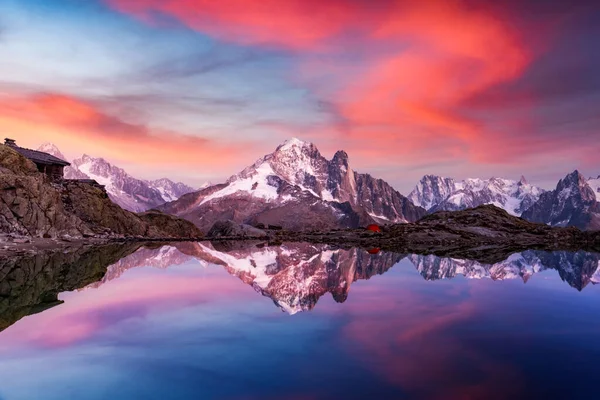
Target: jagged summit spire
column 523, row 180
column 574, row 177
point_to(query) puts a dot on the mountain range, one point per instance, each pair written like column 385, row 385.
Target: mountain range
column 435, row 193
column 295, row 187
column 130, row 193
column 574, row 202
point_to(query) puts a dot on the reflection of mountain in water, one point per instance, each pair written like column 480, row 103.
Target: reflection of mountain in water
column 293, row 275
column 158, row 257
column 296, row 275
column 577, row 269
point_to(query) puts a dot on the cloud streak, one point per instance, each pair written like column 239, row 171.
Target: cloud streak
column 78, row 124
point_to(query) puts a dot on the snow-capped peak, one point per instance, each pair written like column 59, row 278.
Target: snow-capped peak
column 432, row 190
column 128, row 192
column 293, row 143
column 51, row 149
column 574, row 202
column 296, row 176
column 296, row 162
column 523, row 180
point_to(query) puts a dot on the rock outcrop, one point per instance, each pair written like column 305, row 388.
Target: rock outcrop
column 485, row 233
column 30, row 205
column 230, row 228
column 31, row 284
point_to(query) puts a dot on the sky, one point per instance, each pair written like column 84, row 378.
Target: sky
column 195, row 90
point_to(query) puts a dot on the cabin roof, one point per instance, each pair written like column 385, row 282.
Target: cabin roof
column 39, row 157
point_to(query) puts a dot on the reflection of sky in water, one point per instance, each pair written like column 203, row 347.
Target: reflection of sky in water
column 195, row 332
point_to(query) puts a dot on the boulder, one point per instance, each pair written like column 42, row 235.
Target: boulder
column 230, row 228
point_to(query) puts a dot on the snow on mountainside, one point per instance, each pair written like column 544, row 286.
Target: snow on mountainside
column 128, row 192
column 169, row 190
column 437, row 193
column 432, row 190
column 517, row 266
column 296, row 187
column 594, row 183
column 574, row 202
column 51, row 149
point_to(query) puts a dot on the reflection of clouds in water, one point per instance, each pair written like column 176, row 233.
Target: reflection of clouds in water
column 416, row 341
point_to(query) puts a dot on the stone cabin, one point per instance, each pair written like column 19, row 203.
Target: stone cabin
column 46, row 163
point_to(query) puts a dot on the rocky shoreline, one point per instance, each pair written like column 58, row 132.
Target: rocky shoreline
column 485, row 233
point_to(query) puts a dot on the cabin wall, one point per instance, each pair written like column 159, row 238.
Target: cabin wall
column 55, row 172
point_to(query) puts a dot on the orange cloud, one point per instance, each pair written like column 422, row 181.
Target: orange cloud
column 78, row 126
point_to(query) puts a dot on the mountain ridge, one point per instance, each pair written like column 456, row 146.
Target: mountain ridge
column 132, row 194
column 574, row 202
column 436, row 193
column 297, row 188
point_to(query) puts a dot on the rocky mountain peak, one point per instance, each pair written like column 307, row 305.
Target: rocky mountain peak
column 574, row 202
column 575, row 178
column 292, row 144
column 51, row 149
column 128, row 192
column 341, row 158
column 297, row 188
column 523, row 180
column 296, row 153
column 432, row 190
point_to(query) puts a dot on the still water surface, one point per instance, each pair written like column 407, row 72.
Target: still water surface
column 191, row 321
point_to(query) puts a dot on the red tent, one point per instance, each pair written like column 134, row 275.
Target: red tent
column 374, row 228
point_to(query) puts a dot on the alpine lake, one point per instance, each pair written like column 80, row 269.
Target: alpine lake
column 245, row 320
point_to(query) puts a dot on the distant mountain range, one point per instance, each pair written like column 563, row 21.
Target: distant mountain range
column 297, row 188
column 574, row 202
column 130, row 193
column 436, row 193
